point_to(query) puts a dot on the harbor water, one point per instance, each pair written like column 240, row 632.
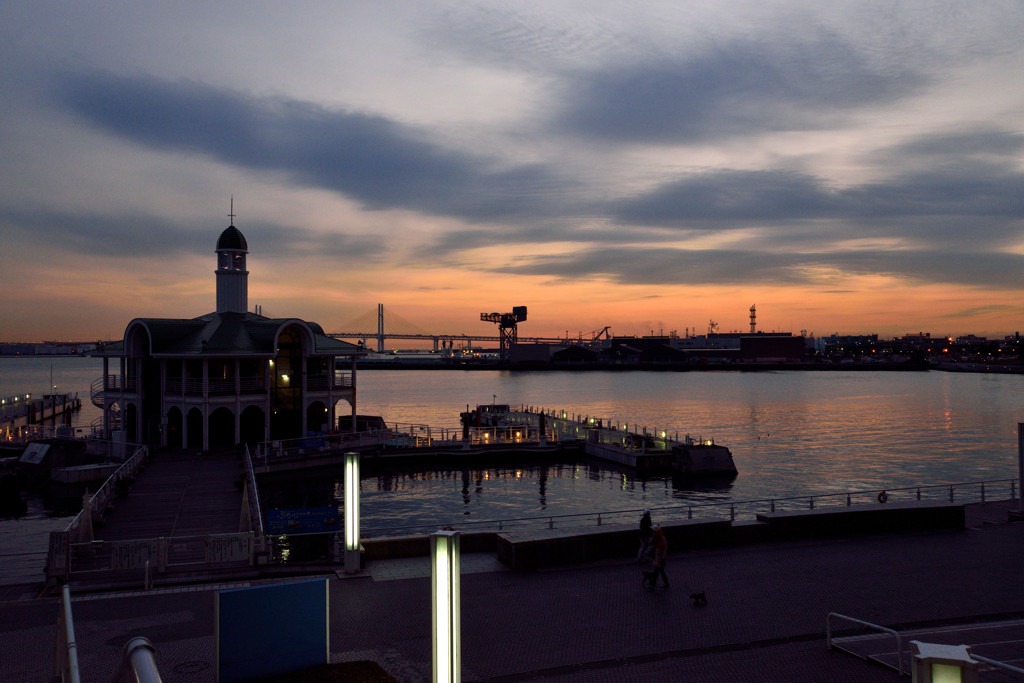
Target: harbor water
column 791, row 433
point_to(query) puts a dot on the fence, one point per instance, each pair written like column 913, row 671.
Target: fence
column 284, row 545
column 105, row 494
column 145, row 557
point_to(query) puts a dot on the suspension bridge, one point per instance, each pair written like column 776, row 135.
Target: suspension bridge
column 384, row 324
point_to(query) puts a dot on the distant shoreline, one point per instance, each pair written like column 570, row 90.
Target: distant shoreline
column 701, row 367
column 974, row 368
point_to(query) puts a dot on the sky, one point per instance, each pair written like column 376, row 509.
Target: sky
column 847, row 167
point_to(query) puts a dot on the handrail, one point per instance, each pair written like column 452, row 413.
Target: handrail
column 105, row 492
column 997, row 664
column 255, row 509
column 138, row 665
column 899, row 638
column 66, row 656
column 735, row 508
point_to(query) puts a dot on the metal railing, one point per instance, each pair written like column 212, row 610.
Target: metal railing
column 830, row 641
column 65, row 661
column 96, row 389
column 732, row 510
column 394, row 436
column 966, row 492
column 37, row 432
column 100, row 500
column 163, row 554
column 114, row 382
column 255, row 509
column 997, row 664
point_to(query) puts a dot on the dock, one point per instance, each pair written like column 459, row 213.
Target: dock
column 21, row 411
column 171, row 512
column 495, row 431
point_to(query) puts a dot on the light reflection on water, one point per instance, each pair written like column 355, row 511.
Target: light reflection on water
column 791, row 433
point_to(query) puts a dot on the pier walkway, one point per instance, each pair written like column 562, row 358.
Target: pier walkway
column 182, row 497
column 183, row 493
column 764, row 621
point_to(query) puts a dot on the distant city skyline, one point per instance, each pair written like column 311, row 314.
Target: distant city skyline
column 849, row 168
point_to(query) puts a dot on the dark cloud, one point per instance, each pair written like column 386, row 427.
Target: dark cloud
column 993, row 144
column 943, row 204
column 663, row 266
column 674, row 266
column 735, row 88
column 96, row 235
column 137, row 235
column 730, row 196
column 369, row 158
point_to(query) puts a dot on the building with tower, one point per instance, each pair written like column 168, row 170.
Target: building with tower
column 227, row 377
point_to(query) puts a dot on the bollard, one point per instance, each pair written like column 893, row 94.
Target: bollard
column 551, row 522
column 773, row 505
column 599, row 519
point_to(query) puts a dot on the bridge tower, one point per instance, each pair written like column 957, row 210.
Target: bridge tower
column 507, row 323
column 753, row 319
column 380, row 328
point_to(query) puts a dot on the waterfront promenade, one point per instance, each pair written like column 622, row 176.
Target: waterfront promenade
column 765, row 618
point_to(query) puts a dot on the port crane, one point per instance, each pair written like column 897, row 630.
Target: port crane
column 507, row 326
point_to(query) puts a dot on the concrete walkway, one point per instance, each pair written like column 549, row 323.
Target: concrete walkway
column 765, row 618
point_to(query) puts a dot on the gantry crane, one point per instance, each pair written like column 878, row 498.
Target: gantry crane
column 507, row 325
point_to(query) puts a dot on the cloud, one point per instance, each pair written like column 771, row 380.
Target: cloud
column 733, row 88
column 101, row 235
column 673, row 266
column 730, row 197
column 375, row 160
column 980, row 311
column 942, row 189
column 134, row 235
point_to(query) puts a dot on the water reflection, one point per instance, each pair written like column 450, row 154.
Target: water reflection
column 393, row 499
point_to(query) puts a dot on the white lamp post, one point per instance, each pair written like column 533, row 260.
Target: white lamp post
column 444, row 562
column 352, row 559
column 934, row 663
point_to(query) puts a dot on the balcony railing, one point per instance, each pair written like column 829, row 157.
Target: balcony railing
column 114, row 383
column 195, row 386
column 252, row 384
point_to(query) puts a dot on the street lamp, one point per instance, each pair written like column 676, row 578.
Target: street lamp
column 444, row 562
column 352, row 559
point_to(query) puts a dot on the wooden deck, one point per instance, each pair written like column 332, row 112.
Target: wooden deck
column 179, row 494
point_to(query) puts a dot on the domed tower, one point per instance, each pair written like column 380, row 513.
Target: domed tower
column 232, row 277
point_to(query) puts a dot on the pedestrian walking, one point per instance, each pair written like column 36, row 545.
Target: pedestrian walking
column 645, row 535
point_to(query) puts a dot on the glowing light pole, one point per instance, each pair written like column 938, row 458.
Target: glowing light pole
column 352, row 559
column 444, row 562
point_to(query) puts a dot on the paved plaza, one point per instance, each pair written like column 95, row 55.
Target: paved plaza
column 764, row 621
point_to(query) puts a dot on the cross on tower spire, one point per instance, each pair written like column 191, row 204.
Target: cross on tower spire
column 232, row 214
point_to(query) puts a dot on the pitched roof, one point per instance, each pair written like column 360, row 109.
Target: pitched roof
column 225, row 334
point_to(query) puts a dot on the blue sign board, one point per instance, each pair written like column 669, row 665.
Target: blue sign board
column 302, row 520
column 274, row 629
